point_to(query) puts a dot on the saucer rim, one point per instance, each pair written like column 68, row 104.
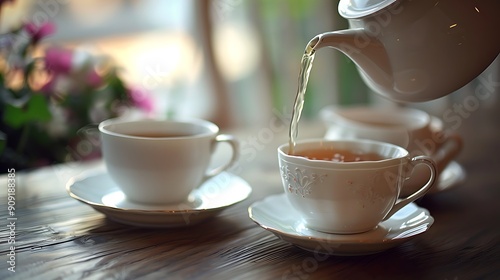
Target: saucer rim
column 290, row 237
column 70, row 185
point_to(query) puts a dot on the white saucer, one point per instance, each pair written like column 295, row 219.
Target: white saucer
column 276, row 215
column 98, row 190
column 452, row 176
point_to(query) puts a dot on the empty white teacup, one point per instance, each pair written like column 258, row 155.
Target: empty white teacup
column 349, row 196
column 161, row 161
column 413, row 129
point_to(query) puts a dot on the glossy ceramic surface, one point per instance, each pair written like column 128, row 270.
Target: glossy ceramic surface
column 162, row 169
column 412, row 129
column 415, row 51
column 361, row 8
column 451, row 177
column 349, row 197
column 99, row 191
column 276, row 215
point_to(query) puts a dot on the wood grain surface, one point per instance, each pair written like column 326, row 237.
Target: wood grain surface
column 58, row 237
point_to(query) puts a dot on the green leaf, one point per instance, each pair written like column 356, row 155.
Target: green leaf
column 117, row 87
column 3, row 142
column 36, row 109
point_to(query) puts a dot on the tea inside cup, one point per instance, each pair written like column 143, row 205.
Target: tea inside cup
column 350, row 195
column 413, row 129
column 161, row 161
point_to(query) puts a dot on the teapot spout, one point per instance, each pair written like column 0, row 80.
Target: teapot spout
column 366, row 51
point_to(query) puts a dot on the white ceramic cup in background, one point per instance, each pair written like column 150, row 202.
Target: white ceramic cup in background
column 161, row 161
column 349, row 197
column 412, row 129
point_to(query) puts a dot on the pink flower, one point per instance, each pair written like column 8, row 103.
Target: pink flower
column 94, row 79
column 58, row 60
column 37, row 32
column 141, row 99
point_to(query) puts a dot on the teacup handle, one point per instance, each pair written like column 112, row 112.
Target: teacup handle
column 233, row 142
column 420, row 192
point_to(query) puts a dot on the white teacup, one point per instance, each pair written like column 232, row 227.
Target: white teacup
column 349, row 197
column 412, row 129
column 161, row 161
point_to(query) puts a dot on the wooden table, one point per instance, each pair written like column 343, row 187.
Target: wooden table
column 57, row 237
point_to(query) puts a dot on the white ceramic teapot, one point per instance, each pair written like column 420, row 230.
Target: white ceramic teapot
column 417, row 50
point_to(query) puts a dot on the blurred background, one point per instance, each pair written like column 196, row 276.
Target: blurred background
column 229, row 60
column 234, row 62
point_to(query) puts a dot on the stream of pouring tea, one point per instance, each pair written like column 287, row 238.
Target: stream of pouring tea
column 305, row 69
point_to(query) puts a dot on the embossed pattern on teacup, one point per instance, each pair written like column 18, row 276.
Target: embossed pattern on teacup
column 300, row 181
